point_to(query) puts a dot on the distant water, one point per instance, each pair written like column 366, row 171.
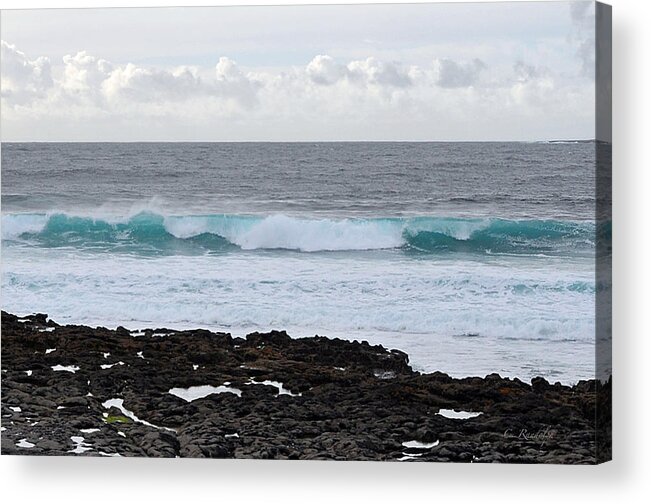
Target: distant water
column 472, row 257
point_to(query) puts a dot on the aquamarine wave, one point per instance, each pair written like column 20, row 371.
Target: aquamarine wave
column 149, row 232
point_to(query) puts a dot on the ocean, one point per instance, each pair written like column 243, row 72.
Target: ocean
column 473, row 258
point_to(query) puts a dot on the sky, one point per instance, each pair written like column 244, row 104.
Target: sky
column 421, row 72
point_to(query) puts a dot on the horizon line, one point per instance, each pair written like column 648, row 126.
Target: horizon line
column 579, row 140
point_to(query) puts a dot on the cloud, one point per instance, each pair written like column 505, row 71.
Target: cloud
column 23, row 79
column 583, row 37
column 150, row 85
column 83, row 72
column 524, row 72
column 235, row 84
column 83, row 96
column 184, row 83
column 452, row 74
column 372, row 71
column 82, row 79
column 88, row 81
column 324, row 70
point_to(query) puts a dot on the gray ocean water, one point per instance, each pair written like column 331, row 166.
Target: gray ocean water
column 472, row 257
column 512, row 180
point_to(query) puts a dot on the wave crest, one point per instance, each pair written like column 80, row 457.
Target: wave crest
column 173, row 234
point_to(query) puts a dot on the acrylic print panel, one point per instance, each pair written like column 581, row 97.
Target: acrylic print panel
column 186, row 205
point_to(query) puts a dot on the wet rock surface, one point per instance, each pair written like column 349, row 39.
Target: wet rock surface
column 75, row 390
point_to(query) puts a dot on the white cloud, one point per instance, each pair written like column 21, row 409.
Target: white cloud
column 374, row 72
column 87, row 97
column 235, row 84
column 85, row 80
column 324, row 70
column 83, row 72
column 132, row 83
column 22, row 79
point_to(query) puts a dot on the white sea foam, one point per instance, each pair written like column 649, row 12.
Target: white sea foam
column 281, row 389
column 119, row 404
column 407, row 456
column 81, row 445
column 458, row 414
column 109, row 366
column 289, row 233
column 23, row 443
column 69, row 369
column 14, row 225
column 420, row 444
column 192, row 393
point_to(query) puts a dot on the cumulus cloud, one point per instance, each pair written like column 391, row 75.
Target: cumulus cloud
column 23, row 79
column 83, row 72
column 150, row 85
column 452, row 74
column 234, row 83
column 326, row 71
column 87, row 97
column 372, row 71
column 85, row 80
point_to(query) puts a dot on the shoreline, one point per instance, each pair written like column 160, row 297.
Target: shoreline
column 373, row 338
column 196, row 393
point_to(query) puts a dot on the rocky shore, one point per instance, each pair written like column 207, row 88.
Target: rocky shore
column 75, row 390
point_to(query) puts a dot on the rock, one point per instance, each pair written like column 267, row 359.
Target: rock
column 276, row 398
column 47, row 445
column 540, row 385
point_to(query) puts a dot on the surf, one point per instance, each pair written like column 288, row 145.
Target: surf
column 157, row 233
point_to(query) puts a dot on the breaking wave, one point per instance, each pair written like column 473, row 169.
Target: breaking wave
column 222, row 232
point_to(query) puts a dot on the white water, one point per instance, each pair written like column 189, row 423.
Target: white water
column 81, row 445
column 192, row 393
column 23, row 443
column 420, row 444
column 69, row 369
column 119, row 404
column 284, row 232
column 460, row 415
